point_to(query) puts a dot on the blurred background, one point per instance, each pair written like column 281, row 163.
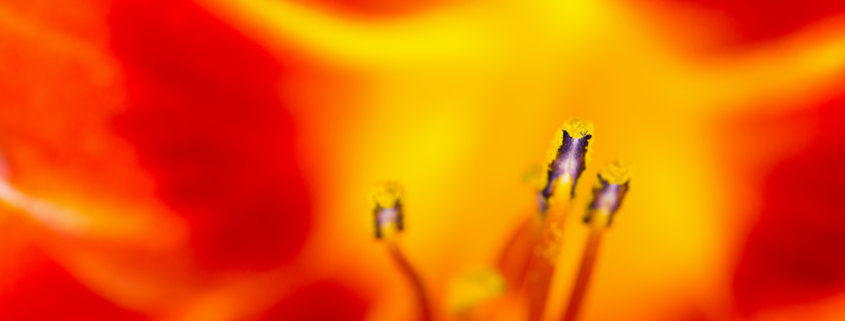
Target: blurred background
column 212, row 160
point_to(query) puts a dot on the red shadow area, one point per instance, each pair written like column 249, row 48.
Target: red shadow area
column 755, row 21
column 794, row 253
column 321, row 301
column 206, row 120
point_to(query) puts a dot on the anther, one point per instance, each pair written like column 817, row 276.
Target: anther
column 387, row 208
column 607, row 196
column 567, row 158
column 608, row 193
column 389, row 217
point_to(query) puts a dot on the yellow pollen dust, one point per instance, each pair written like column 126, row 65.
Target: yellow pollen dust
column 551, row 251
column 576, row 128
column 615, row 173
column 386, row 195
column 473, row 288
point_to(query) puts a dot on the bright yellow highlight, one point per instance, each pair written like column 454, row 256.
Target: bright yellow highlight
column 563, row 183
column 615, row 173
column 474, row 287
column 386, row 195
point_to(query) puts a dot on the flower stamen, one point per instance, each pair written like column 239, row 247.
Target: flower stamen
column 607, row 197
column 389, row 221
column 567, row 157
column 387, row 209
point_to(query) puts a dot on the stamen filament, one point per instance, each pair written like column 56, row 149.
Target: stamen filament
column 607, row 197
column 588, row 260
column 514, row 258
column 408, row 270
column 547, row 251
column 389, row 221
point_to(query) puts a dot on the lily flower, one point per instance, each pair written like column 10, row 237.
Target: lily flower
column 206, row 159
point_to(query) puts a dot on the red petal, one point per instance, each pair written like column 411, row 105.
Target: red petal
column 207, row 122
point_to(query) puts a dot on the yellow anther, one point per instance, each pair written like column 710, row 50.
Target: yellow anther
column 608, row 193
column 615, row 173
column 577, row 129
column 387, row 194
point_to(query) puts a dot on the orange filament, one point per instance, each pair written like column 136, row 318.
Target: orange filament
column 416, row 282
column 579, row 288
column 546, row 252
column 513, row 261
